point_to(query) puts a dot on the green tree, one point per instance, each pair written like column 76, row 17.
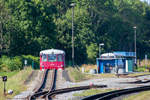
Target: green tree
column 92, row 51
column 34, row 19
column 82, row 33
column 4, row 36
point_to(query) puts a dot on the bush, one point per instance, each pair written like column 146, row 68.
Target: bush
column 10, row 64
column 5, row 63
column 4, row 68
column 17, row 63
column 142, row 69
column 30, row 59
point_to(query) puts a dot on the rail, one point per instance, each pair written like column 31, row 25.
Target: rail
column 38, row 91
column 65, row 90
column 116, row 93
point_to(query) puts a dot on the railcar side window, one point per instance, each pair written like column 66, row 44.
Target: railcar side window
column 51, row 58
column 60, row 58
column 44, row 58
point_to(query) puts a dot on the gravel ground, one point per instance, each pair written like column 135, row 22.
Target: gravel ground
column 36, row 80
column 63, row 81
column 112, row 83
column 48, row 81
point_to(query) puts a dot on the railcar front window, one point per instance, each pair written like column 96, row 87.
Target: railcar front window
column 44, row 58
column 51, row 58
column 60, row 58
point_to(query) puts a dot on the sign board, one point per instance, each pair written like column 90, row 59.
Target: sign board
column 25, row 62
column 145, row 57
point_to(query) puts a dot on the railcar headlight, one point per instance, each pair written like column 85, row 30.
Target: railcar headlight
column 43, row 66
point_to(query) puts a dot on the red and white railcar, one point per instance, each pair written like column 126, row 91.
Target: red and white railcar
column 52, row 59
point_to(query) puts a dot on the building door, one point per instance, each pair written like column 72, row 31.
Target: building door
column 101, row 67
column 130, row 65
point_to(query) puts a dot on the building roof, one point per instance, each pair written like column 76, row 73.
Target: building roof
column 52, row 51
column 107, row 54
column 117, row 55
column 125, row 54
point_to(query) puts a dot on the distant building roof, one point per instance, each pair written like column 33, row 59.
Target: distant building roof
column 107, row 54
column 116, row 55
column 125, row 54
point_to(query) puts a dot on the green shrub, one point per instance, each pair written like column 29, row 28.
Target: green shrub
column 142, row 69
column 4, row 68
column 30, row 59
column 10, row 64
column 17, row 63
column 5, row 63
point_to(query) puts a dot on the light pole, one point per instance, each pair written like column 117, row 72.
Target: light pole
column 72, row 5
column 135, row 43
column 101, row 44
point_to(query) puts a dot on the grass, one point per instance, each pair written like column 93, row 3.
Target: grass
column 140, row 96
column 88, row 67
column 142, row 63
column 8, row 74
column 106, row 75
column 15, row 82
column 91, row 92
column 87, row 70
column 138, row 74
column 75, row 75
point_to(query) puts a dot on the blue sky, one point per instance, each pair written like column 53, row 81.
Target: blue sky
column 146, row 0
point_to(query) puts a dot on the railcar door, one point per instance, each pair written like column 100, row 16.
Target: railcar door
column 51, row 61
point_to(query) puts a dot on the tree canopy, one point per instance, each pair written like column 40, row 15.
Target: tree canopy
column 29, row 26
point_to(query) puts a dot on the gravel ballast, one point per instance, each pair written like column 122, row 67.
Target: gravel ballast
column 112, row 83
column 63, row 81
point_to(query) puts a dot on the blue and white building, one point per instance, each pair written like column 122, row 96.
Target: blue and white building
column 116, row 62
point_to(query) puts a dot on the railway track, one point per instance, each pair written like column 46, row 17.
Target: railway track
column 47, row 94
column 47, row 85
column 39, row 88
column 116, row 93
column 53, row 86
column 46, row 90
column 65, row 90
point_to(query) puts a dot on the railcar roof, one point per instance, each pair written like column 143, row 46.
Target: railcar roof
column 50, row 51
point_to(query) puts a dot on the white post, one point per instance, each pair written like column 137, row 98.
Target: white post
column 146, row 61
